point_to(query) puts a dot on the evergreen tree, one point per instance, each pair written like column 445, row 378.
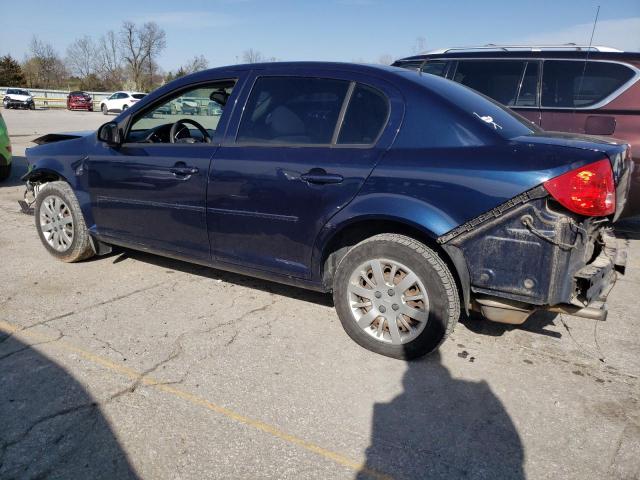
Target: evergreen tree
column 10, row 72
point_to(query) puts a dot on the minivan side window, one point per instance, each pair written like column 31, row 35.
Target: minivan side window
column 564, row 86
column 435, row 68
column 292, row 110
column 365, row 117
column 498, row 79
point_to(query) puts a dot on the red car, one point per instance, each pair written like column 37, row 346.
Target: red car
column 567, row 88
column 79, row 101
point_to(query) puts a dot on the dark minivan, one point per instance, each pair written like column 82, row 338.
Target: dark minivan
column 568, row 88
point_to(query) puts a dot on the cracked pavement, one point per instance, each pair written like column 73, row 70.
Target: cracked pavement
column 136, row 366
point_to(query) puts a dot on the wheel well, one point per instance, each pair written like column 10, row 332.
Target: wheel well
column 353, row 234
column 44, row 176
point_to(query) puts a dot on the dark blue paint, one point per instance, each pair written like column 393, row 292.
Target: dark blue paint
column 249, row 209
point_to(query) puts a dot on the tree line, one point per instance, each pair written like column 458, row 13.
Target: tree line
column 122, row 59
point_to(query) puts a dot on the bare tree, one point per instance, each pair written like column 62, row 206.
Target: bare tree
column 385, row 59
column 109, row 60
column 45, row 67
column 252, row 56
column 82, row 58
column 196, row 64
column 153, row 41
column 134, row 51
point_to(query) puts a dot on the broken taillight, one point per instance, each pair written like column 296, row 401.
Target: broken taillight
column 587, row 190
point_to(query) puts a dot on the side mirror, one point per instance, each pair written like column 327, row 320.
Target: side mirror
column 109, row 133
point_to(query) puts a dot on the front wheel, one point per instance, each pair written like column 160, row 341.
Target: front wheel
column 60, row 223
column 395, row 296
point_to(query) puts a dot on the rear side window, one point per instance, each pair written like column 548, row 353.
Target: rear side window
column 499, row 79
column 563, row 83
column 365, row 117
column 292, row 110
column 435, row 68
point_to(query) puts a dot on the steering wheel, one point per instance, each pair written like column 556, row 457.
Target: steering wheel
column 180, row 124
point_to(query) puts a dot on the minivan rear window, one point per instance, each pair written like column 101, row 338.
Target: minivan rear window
column 565, row 86
column 498, row 79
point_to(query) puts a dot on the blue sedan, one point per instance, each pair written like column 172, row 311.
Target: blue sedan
column 410, row 197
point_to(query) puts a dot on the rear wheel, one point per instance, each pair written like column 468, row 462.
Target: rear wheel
column 124, row 107
column 395, row 296
column 60, row 223
column 5, row 172
column 104, row 109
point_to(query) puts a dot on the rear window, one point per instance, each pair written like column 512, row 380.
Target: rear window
column 138, row 95
column 292, row 110
column 564, row 85
column 365, row 117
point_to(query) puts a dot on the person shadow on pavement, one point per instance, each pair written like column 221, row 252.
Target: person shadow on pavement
column 440, row 427
column 50, row 427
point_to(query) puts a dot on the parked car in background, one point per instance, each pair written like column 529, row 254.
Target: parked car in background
column 120, row 101
column 79, row 101
column 18, row 98
column 408, row 196
column 568, row 88
column 186, row 105
column 5, row 151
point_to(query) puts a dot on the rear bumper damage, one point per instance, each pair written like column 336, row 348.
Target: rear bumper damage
column 528, row 255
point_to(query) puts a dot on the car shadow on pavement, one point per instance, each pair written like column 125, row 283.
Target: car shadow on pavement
column 229, row 277
column 441, row 427
column 50, row 426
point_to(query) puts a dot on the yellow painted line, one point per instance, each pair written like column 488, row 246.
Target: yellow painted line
column 195, row 400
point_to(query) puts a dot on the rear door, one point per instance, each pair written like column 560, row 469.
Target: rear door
column 304, row 146
column 513, row 83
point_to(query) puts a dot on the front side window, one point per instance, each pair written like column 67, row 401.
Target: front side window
column 292, row 110
column 365, row 117
column 203, row 105
column 498, row 79
column 571, row 84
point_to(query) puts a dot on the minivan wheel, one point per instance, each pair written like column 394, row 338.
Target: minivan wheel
column 104, row 109
column 395, row 296
column 60, row 223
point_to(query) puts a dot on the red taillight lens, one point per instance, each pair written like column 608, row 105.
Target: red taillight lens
column 587, row 190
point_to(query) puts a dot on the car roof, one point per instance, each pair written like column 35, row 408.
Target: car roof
column 566, row 52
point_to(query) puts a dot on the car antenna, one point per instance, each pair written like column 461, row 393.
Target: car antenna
column 586, row 58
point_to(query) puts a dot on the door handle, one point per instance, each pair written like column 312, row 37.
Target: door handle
column 183, row 171
column 319, row 176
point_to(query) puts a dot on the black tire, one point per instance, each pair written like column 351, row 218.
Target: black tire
column 32, row 106
column 5, row 172
column 80, row 247
column 124, row 107
column 441, row 289
column 104, row 109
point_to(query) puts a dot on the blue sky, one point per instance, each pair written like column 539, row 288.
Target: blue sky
column 343, row 30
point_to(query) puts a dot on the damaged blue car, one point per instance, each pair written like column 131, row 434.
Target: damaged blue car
column 410, row 197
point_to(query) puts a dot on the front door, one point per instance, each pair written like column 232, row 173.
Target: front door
column 291, row 167
column 151, row 191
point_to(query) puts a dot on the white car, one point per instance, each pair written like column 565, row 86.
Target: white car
column 18, row 98
column 120, row 101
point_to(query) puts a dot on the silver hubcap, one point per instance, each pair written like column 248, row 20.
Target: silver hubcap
column 56, row 223
column 388, row 301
